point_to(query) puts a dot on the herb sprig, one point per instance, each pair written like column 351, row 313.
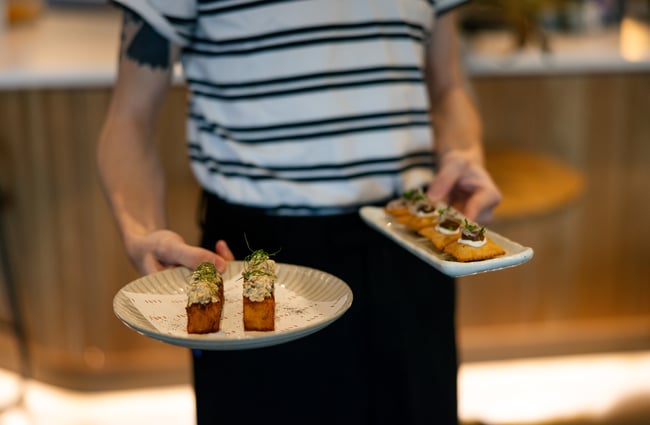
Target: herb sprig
column 205, row 272
column 413, row 195
column 471, row 227
column 443, row 211
column 253, row 262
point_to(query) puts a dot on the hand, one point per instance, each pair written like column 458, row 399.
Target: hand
column 463, row 183
column 162, row 249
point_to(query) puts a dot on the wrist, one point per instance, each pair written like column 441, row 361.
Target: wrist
column 470, row 155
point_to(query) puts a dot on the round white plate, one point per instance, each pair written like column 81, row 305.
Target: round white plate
column 307, row 300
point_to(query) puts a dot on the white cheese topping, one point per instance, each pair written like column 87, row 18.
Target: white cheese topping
column 445, row 231
column 475, row 244
column 204, row 285
column 426, row 213
column 261, row 281
column 202, row 292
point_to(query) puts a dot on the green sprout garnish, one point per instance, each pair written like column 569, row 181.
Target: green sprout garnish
column 442, row 211
column 473, row 227
column 409, row 195
column 413, row 195
column 254, row 261
column 205, row 272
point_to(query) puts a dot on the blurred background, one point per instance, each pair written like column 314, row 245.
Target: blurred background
column 564, row 90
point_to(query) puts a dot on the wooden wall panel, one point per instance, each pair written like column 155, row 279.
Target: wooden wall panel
column 587, row 288
column 589, row 281
column 68, row 257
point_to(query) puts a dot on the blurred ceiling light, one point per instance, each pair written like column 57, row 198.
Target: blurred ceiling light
column 634, row 39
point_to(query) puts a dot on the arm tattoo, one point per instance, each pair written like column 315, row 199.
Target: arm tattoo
column 146, row 47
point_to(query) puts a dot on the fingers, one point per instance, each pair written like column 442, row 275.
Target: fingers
column 222, row 249
column 480, row 204
column 170, row 249
column 484, row 199
column 441, row 187
column 219, row 258
column 467, row 186
column 150, row 265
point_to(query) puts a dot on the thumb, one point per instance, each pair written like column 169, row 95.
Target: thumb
column 192, row 256
column 223, row 250
column 172, row 250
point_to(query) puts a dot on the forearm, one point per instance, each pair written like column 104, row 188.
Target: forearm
column 454, row 116
column 127, row 157
column 457, row 124
column 130, row 169
column 131, row 176
column 461, row 178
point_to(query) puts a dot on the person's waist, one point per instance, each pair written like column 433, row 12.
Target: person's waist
column 216, row 203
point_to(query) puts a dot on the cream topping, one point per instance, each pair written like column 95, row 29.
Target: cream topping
column 475, row 244
column 423, row 208
column 472, row 235
column 202, row 293
column 446, row 231
column 259, row 280
column 204, row 285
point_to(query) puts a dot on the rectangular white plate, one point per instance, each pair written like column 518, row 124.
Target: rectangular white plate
column 421, row 247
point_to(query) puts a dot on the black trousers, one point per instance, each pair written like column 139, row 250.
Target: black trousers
column 390, row 359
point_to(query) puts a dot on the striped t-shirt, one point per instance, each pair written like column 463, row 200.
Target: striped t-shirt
column 304, row 106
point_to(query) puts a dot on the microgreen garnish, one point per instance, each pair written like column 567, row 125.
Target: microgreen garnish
column 205, row 272
column 413, row 195
column 408, row 195
column 473, row 227
column 254, row 262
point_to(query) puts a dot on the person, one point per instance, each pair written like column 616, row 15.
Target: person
column 300, row 112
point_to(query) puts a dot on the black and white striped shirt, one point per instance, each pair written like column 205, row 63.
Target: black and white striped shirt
column 304, row 106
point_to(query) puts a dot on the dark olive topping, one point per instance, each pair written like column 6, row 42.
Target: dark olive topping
column 450, row 224
column 472, row 232
column 425, row 208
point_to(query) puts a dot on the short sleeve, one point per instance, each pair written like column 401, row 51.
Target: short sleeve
column 173, row 19
column 442, row 6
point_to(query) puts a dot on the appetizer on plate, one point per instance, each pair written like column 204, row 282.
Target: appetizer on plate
column 473, row 245
column 443, row 226
column 413, row 209
column 445, row 230
column 259, row 292
column 205, row 300
column 397, row 207
column 422, row 213
column 400, row 206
